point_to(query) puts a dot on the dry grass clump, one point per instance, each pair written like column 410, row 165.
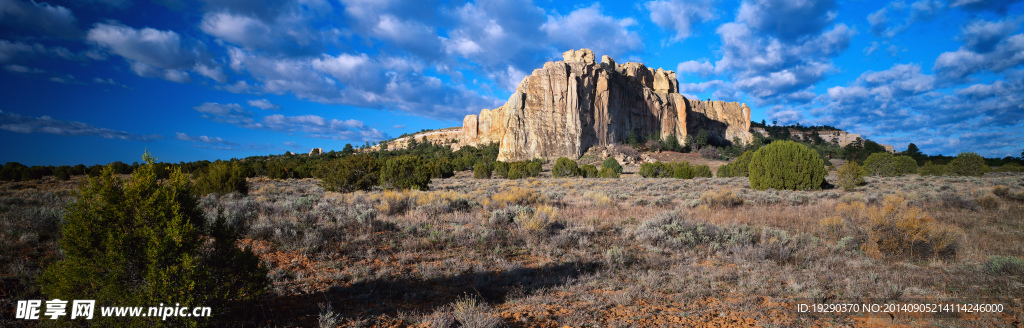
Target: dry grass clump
column 720, row 199
column 395, row 202
column 514, row 195
column 599, row 198
column 470, row 313
column 1005, row 193
column 893, row 229
column 987, row 201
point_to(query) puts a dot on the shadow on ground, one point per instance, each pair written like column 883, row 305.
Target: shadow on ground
column 391, row 296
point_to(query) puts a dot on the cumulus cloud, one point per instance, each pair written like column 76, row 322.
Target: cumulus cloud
column 203, row 139
column 45, row 124
column 998, row 6
column 776, row 17
column 902, row 16
column 33, row 17
column 277, row 27
column 692, row 66
column 1003, row 52
column 391, row 83
column 263, row 104
column 227, row 113
column 18, row 51
column 901, row 105
column 765, row 66
column 153, row 53
column 982, row 36
column 681, row 16
column 589, row 28
column 312, row 126
column 318, row 127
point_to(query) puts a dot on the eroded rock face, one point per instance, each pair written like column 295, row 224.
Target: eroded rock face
column 566, row 107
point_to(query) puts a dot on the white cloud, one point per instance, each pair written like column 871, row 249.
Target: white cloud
column 681, row 16
column 36, row 17
column 263, row 104
column 227, row 113
column 45, row 124
column 692, row 66
column 956, row 65
column 154, row 53
column 203, row 139
column 589, row 28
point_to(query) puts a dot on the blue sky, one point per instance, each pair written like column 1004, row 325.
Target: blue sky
column 102, row 80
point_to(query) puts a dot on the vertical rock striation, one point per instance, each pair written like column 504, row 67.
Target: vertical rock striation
column 568, row 106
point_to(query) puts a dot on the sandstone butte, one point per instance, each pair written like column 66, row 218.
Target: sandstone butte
column 568, row 106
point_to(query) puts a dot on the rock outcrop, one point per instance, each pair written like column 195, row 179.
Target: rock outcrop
column 568, row 106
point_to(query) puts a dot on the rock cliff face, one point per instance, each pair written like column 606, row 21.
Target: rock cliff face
column 568, row 106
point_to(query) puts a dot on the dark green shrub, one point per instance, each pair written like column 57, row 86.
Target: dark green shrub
column 481, row 171
column 968, row 164
column 517, row 170
column 738, row 168
column 656, row 170
column 588, row 171
column 671, row 143
column 348, row 174
column 221, row 178
column 786, row 165
column 612, row 164
column 906, row 164
column 682, row 170
column 62, row 175
column 1010, row 167
column 501, row 169
column 702, row 171
column 141, row 242
column 565, row 168
column 607, row 173
column 881, row 164
column 933, row 169
column 533, row 169
column 850, row 175
column 405, row 172
column 441, row 168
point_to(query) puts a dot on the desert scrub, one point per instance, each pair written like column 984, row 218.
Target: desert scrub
column 850, row 175
column 222, row 177
column 671, row 230
column 702, row 171
column 968, row 164
column 501, row 169
column 656, row 170
column 1004, row 265
column 894, row 229
column 394, row 202
column 359, row 172
column 142, row 242
column 786, row 165
column 720, row 199
column 514, row 195
column 738, row 168
column 405, row 172
column 929, row 169
column 881, row 164
column 565, row 168
column 613, row 165
column 588, row 171
column 481, row 171
column 1005, row 193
